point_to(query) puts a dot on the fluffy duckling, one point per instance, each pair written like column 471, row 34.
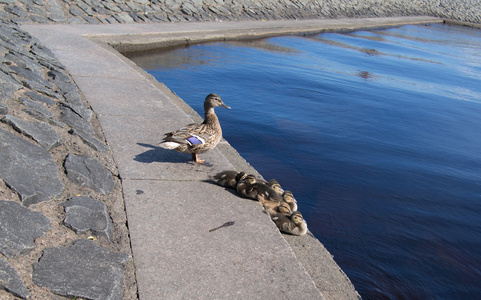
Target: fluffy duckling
column 228, row 178
column 245, row 187
column 280, row 208
column 293, row 224
column 273, row 183
column 288, row 197
column 273, row 199
column 249, row 187
column 197, row 138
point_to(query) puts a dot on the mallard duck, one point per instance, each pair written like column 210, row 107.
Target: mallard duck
column 270, row 199
column 245, row 187
column 288, row 197
column 228, row 178
column 273, row 183
column 274, row 208
column 293, row 224
column 197, row 138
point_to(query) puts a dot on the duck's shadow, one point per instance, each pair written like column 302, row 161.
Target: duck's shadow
column 158, row 154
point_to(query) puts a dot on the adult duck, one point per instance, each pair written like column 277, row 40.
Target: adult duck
column 198, row 137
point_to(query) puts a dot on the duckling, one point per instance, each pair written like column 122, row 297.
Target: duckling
column 288, row 197
column 293, row 224
column 269, row 199
column 245, row 187
column 280, row 208
column 198, row 137
column 273, row 183
column 228, row 178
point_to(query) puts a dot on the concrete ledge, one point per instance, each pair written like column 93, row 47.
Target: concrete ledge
column 170, row 207
column 185, row 34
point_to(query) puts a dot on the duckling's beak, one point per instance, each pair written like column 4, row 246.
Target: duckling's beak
column 224, row 105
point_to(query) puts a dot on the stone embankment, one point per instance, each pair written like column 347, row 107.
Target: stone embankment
column 63, row 227
column 58, row 184
column 125, row 11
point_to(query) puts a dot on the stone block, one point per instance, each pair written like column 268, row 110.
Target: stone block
column 83, row 270
column 88, row 172
column 90, row 140
column 19, row 227
column 3, row 109
column 73, row 119
column 11, row 281
column 41, row 132
column 40, row 98
column 85, row 214
column 28, row 169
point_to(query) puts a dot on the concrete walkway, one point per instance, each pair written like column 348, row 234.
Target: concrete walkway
column 170, row 206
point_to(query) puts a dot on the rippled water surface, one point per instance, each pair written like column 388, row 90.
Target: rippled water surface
column 377, row 133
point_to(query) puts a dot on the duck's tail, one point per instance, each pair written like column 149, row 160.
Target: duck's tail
column 169, row 145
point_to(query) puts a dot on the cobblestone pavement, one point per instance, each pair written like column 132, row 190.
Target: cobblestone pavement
column 125, row 11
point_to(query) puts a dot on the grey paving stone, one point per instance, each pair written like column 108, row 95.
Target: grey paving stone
column 42, row 53
column 112, row 7
column 102, row 20
column 135, row 17
column 16, row 10
column 9, row 85
column 86, row 8
column 111, row 20
column 74, row 20
column 188, row 9
column 40, row 98
column 19, row 227
column 11, row 281
column 85, row 214
column 28, row 169
column 75, row 11
column 36, row 109
column 91, row 20
column 71, row 118
column 62, row 81
column 123, row 18
column 58, row 18
column 41, row 132
column 31, row 76
column 88, row 172
column 101, row 10
column 3, row 109
column 39, row 19
column 82, row 270
column 90, row 140
column 35, row 9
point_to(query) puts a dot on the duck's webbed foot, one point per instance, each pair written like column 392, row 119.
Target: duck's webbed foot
column 196, row 158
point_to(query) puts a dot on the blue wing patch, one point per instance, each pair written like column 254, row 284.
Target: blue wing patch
column 195, row 140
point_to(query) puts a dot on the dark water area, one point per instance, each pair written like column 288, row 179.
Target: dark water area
column 378, row 135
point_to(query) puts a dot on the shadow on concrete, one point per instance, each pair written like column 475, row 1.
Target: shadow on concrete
column 158, row 154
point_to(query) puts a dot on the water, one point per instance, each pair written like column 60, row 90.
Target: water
column 377, row 133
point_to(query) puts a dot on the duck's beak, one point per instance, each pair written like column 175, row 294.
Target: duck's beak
column 224, row 105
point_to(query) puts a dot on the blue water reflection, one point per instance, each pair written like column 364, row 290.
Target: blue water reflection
column 377, row 133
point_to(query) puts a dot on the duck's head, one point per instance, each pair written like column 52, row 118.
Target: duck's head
column 297, row 218
column 284, row 208
column 213, row 100
column 240, row 176
column 288, row 197
column 274, row 184
column 250, row 179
